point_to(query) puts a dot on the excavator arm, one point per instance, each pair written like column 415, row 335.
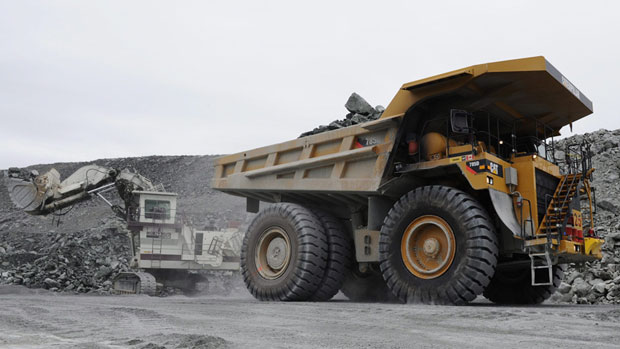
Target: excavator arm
column 42, row 194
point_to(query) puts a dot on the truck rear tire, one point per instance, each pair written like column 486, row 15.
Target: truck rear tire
column 284, row 254
column 515, row 287
column 339, row 257
column 366, row 287
column 437, row 246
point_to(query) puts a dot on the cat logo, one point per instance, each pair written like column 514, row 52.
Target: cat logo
column 485, row 165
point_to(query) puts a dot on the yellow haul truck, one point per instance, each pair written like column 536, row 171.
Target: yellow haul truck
column 454, row 192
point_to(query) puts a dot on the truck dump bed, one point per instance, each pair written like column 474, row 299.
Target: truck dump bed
column 350, row 160
column 352, row 163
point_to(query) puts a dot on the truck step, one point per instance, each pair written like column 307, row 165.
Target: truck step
column 541, row 261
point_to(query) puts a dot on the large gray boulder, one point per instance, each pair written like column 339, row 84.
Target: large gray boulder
column 357, row 104
column 581, row 287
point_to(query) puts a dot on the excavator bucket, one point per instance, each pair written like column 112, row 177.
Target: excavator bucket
column 30, row 194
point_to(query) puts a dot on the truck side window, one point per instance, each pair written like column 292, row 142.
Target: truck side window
column 156, row 209
column 542, row 150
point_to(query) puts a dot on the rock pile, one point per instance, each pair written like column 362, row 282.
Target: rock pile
column 599, row 282
column 360, row 111
column 596, row 282
column 82, row 261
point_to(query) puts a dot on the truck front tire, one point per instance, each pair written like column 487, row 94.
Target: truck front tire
column 284, row 254
column 437, row 246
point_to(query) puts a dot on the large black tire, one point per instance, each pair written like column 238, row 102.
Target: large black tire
column 305, row 260
column 339, row 257
column 366, row 287
column 470, row 240
column 515, row 286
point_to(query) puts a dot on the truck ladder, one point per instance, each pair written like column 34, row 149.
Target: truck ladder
column 550, row 229
column 156, row 262
column 558, row 209
column 542, row 260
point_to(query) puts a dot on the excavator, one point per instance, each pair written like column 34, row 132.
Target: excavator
column 166, row 250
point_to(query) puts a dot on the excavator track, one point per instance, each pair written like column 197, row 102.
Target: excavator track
column 135, row 283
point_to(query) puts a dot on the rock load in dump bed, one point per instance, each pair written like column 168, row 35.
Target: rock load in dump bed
column 360, row 111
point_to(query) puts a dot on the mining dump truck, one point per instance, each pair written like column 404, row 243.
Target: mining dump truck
column 165, row 250
column 455, row 191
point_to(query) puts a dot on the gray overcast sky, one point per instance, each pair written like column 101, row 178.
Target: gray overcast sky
column 81, row 80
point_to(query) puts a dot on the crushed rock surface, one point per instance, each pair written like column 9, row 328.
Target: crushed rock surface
column 49, row 319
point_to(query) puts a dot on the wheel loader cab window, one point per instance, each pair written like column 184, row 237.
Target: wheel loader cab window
column 157, row 209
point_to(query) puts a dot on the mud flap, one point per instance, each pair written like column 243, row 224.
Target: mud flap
column 504, row 207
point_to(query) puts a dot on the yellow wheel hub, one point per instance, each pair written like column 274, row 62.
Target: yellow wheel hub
column 428, row 247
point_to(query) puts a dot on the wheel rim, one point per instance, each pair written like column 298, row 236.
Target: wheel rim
column 273, row 253
column 428, row 247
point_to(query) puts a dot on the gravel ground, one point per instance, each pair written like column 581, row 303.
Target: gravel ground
column 41, row 319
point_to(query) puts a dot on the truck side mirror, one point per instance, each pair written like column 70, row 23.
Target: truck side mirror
column 459, row 120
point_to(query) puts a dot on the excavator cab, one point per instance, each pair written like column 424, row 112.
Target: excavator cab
column 155, row 207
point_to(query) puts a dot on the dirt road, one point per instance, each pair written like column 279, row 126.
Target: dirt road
column 38, row 319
